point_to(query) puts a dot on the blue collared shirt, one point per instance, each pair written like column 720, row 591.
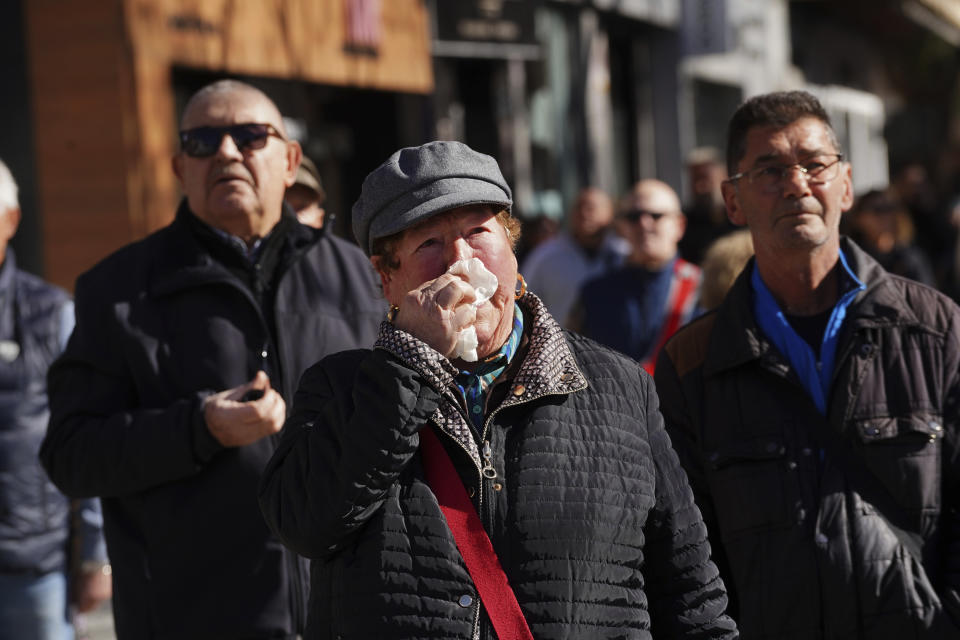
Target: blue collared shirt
column 474, row 385
column 815, row 372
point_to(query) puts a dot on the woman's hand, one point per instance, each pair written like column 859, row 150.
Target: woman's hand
column 436, row 311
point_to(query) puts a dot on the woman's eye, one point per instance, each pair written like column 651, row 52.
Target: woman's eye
column 477, row 230
column 429, row 242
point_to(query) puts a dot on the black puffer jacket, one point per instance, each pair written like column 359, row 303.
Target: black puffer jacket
column 590, row 513
column 160, row 325
column 843, row 526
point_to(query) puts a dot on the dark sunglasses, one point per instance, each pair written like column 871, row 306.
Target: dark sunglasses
column 203, row 142
column 633, row 216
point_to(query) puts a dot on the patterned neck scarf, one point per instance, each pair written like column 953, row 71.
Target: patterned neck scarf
column 474, row 385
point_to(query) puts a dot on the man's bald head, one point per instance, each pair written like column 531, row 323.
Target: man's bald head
column 229, row 91
column 650, row 218
column 652, row 194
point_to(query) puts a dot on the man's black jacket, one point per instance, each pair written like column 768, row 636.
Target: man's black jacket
column 160, row 325
column 835, row 526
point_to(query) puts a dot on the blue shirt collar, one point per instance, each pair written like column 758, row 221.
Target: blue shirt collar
column 815, row 372
column 474, row 385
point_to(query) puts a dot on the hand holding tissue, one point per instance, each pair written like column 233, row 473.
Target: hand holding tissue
column 484, row 284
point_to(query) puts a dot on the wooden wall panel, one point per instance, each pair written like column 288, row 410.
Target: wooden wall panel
column 77, row 68
column 305, row 39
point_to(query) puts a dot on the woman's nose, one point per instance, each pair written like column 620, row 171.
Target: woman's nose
column 459, row 250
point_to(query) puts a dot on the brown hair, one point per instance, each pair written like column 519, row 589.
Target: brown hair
column 778, row 109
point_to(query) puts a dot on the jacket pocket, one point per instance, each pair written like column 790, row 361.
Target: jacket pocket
column 747, row 484
column 903, row 453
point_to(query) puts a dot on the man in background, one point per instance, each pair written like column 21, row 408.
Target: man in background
column 555, row 269
column 187, row 350
column 816, row 409
column 306, row 195
column 705, row 211
column 52, row 552
column 635, row 308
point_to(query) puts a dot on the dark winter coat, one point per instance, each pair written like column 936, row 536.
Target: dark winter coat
column 34, row 516
column 843, row 526
column 161, row 324
column 589, row 512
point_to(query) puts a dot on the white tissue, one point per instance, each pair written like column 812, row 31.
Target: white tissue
column 484, row 283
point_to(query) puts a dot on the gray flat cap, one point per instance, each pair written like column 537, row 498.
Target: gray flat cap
column 418, row 182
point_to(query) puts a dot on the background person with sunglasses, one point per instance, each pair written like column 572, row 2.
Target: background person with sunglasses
column 187, row 349
column 816, row 409
column 635, row 308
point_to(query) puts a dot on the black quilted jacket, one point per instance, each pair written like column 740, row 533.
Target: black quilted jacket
column 590, row 513
column 831, row 527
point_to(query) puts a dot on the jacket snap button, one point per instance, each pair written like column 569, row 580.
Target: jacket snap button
column 865, row 349
column 465, row 601
column 518, row 390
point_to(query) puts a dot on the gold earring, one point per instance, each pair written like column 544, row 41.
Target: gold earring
column 521, row 287
column 392, row 313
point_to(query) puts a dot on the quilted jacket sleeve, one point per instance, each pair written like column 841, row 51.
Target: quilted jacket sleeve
column 353, row 430
column 687, row 596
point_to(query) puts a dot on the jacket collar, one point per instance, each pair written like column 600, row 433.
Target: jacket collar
column 184, row 262
column 737, row 338
column 547, row 367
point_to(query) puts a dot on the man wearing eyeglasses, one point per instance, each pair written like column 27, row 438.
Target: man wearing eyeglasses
column 187, row 349
column 816, row 409
column 635, row 308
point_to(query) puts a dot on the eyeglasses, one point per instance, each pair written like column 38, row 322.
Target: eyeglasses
column 634, row 215
column 817, row 170
column 203, row 142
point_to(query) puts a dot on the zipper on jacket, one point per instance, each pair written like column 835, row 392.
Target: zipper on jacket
column 488, row 470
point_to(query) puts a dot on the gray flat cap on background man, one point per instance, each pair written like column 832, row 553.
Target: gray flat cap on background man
column 553, row 443
column 187, row 348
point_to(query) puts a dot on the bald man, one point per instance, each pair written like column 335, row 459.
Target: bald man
column 187, row 349
column 635, row 309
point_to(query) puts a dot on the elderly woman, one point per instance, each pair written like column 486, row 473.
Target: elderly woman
column 535, row 479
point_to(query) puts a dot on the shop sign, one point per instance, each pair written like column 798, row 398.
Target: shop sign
column 496, row 21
